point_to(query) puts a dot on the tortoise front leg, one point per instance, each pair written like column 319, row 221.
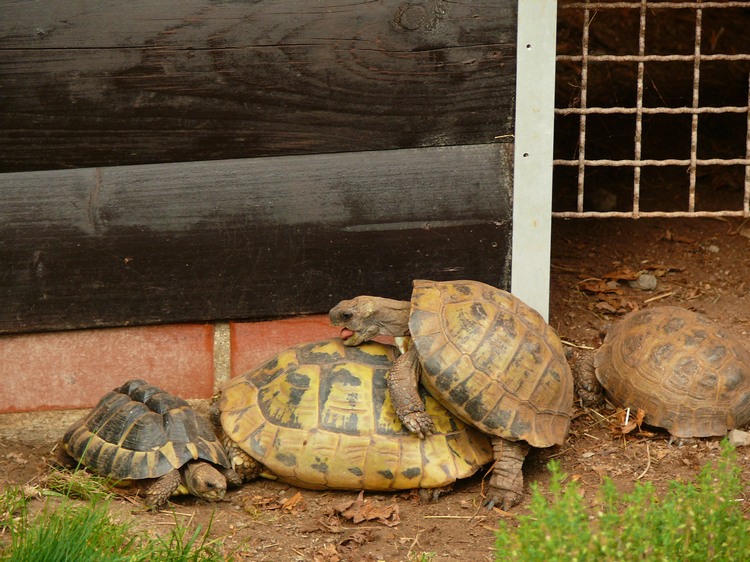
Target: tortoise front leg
column 158, row 493
column 402, row 383
column 506, row 483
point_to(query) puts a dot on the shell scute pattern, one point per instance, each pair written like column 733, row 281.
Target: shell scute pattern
column 494, row 361
column 125, row 437
column 346, row 433
column 685, row 373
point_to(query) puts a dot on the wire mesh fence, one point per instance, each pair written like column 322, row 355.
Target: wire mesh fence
column 636, row 41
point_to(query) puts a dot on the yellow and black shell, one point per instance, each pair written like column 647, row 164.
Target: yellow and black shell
column 139, row 431
column 319, row 415
column 686, row 374
column 492, row 360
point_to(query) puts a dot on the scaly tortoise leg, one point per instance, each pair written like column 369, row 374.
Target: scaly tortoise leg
column 158, row 493
column 402, row 383
column 506, row 483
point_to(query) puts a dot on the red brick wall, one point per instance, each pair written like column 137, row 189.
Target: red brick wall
column 66, row 370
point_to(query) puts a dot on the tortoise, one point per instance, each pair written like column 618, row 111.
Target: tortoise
column 686, row 374
column 140, row 432
column 484, row 354
column 319, row 416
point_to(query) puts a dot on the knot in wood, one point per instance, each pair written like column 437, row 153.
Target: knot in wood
column 409, row 16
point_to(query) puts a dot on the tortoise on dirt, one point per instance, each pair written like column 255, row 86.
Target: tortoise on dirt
column 319, row 416
column 488, row 357
column 686, row 374
column 140, row 432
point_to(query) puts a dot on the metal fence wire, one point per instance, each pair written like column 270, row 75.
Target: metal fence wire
column 590, row 61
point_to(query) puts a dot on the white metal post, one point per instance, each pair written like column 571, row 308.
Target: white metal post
column 532, row 183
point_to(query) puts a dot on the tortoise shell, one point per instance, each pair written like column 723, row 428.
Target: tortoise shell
column 686, row 374
column 492, row 360
column 139, row 431
column 319, row 416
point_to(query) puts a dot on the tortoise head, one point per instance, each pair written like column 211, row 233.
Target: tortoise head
column 203, row 480
column 365, row 317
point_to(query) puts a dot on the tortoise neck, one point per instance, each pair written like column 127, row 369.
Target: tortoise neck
column 393, row 317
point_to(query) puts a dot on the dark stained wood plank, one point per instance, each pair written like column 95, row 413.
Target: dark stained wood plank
column 110, row 83
column 251, row 238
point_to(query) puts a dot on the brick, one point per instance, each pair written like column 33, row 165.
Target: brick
column 74, row 369
column 253, row 343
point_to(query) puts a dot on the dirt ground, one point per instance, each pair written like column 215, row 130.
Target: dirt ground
column 701, row 264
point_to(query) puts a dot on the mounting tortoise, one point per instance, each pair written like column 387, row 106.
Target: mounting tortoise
column 319, row 416
column 140, row 432
column 485, row 355
column 686, row 374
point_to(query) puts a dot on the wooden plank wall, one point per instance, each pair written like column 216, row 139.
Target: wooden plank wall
column 169, row 160
column 110, row 82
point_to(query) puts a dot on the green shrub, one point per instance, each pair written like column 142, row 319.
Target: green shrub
column 692, row 522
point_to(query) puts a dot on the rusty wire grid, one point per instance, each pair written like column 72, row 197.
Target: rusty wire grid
column 646, row 9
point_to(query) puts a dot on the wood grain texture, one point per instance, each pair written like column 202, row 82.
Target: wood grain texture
column 252, row 238
column 104, row 83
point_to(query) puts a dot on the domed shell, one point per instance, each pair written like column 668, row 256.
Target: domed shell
column 492, row 360
column 139, row 431
column 686, row 374
column 319, row 416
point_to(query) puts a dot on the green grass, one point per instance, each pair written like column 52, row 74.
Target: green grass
column 84, row 532
column 692, row 522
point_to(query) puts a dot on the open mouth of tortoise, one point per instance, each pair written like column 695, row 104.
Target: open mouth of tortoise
column 346, row 333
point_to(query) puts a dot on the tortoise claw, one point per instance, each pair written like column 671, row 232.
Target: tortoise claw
column 420, row 423
column 504, row 499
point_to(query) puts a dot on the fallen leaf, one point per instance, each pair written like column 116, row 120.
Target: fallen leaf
column 327, row 523
column 360, row 510
column 623, row 273
column 327, row 553
column 627, row 422
column 605, row 306
column 294, row 504
column 594, row 285
column 358, row 538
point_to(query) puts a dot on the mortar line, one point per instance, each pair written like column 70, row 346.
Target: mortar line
column 222, row 355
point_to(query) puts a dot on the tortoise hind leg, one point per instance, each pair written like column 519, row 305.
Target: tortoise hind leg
column 506, row 483
column 159, row 491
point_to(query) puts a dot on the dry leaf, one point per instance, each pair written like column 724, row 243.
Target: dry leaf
column 593, row 285
column 627, row 422
column 623, row 273
column 327, row 553
column 361, row 510
column 294, row 504
column 605, row 306
column 357, row 538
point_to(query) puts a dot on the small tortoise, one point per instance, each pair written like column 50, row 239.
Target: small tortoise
column 319, row 416
column 686, row 374
column 140, row 432
column 485, row 355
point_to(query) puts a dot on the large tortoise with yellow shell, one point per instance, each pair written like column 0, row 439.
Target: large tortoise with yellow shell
column 319, row 415
column 484, row 354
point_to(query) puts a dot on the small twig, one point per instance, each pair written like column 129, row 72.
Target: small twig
column 577, row 346
column 659, row 297
column 453, row 516
column 648, row 463
column 414, row 543
column 564, row 268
